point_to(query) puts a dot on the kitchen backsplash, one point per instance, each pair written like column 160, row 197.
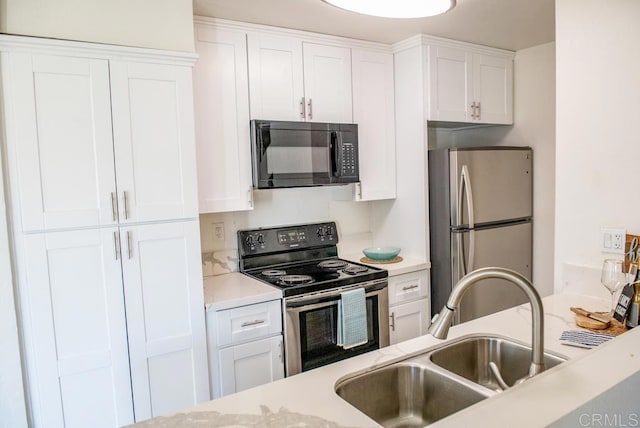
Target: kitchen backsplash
column 282, row 207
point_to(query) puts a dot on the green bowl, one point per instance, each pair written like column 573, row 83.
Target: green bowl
column 381, row 253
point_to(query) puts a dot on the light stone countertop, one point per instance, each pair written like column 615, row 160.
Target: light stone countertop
column 308, row 399
column 232, row 290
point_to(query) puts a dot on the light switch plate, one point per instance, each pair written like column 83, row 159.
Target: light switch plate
column 612, row 240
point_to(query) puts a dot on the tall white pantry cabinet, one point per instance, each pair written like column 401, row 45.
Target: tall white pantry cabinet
column 100, row 157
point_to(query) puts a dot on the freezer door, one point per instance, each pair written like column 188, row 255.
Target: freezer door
column 497, row 181
column 508, row 247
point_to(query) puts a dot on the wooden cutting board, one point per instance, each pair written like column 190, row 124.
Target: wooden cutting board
column 592, row 324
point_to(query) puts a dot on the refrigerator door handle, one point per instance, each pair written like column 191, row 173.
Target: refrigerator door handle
column 465, row 189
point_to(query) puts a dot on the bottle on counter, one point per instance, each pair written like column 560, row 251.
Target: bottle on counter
column 633, row 316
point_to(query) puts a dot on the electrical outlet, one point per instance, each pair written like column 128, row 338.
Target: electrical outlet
column 612, row 240
column 218, row 232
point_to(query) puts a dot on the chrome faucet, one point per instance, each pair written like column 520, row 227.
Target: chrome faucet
column 440, row 327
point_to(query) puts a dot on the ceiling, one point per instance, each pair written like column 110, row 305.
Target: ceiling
column 506, row 24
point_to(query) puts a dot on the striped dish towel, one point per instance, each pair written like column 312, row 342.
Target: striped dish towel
column 584, row 339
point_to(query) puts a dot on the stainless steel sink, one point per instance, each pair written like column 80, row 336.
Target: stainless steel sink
column 469, row 357
column 434, row 384
column 408, row 395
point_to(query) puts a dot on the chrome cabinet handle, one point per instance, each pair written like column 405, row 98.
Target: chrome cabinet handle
column 129, row 252
column 411, row 287
column 280, row 353
column 125, row 197
column 250, row 197
column 309, row 104
column 116, row 245
column 473, row 110
column 248, row 323
column 479, row 113
column 392, row 324
column 302, row 112
column 114, row 204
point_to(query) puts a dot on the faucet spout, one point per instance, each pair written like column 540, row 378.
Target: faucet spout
column 440, row 327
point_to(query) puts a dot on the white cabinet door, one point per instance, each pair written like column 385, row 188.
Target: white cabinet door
column 75, row 330
column 165, row 317
column 275, row 77
column 221, row 96
column 449, row 84
column 327, row 83
column 251, row 364
column 59, row 141
column 373, row 111
column 493, row 88
column 408, row 320
column 154, row 141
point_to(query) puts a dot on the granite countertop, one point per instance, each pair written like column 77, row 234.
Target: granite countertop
column 235, row 289
column 308, row 399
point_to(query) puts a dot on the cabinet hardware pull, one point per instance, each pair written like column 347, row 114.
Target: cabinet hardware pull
column 116, row 245
column 250, row 197
column 473, row 110
column 125, row 197
column 310, row 109
column 280, row 353
column 114, row 210
column 248, row 323
column 129, row 252
column 411, row 287
column 479, row 114
column 393, row 321
column 302, row 112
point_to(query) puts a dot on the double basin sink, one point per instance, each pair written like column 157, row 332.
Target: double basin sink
column 427, row 387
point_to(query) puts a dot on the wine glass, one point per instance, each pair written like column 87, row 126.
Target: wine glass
column 612, row 278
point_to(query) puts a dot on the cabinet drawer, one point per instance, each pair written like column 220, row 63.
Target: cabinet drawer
column 408, row 286
column 248, row 322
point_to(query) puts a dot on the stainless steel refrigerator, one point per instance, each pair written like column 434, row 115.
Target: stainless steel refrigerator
column 480, row 214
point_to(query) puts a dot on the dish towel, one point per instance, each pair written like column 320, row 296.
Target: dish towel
column 352, row 319
column 584, row 339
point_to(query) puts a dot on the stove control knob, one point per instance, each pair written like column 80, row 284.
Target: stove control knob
column 260, row 239
column 249, row 241
column 330, row 230
column 321, row 232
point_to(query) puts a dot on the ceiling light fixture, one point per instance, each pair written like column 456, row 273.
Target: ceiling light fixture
column 396, row 8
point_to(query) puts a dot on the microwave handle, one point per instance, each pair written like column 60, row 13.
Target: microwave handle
column 334, row 148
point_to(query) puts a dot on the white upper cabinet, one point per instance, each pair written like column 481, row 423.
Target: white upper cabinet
column 275, row 77
column 61, row 141
column 466, row 85
column 493, row 88
column 221, row 96
column 165, row 316
column 327, row 83
column 294, row 80
column 373, row 111
column 60, row 119
column 154, row 141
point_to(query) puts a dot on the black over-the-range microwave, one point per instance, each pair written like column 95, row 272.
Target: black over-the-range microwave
column 299, row 154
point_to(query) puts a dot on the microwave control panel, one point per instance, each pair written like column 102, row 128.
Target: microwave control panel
column 349, row 157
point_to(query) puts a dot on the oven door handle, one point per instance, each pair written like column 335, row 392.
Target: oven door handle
column 327, row 299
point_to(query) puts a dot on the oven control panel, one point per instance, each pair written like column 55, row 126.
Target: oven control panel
column 277, row 239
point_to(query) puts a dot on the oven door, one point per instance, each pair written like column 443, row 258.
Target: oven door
column 311, row 327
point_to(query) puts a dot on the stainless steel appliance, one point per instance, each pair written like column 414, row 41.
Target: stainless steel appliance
column 480, row 215
column 298, row 154
column 302, row 260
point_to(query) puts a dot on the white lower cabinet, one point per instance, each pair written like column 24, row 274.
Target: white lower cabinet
column 114, row 322
column 251, row 364
column 408, row 320
column 409, row 307
column 245, row 347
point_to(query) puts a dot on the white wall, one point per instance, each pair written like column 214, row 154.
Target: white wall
column 159, row 24
column 598, row 99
